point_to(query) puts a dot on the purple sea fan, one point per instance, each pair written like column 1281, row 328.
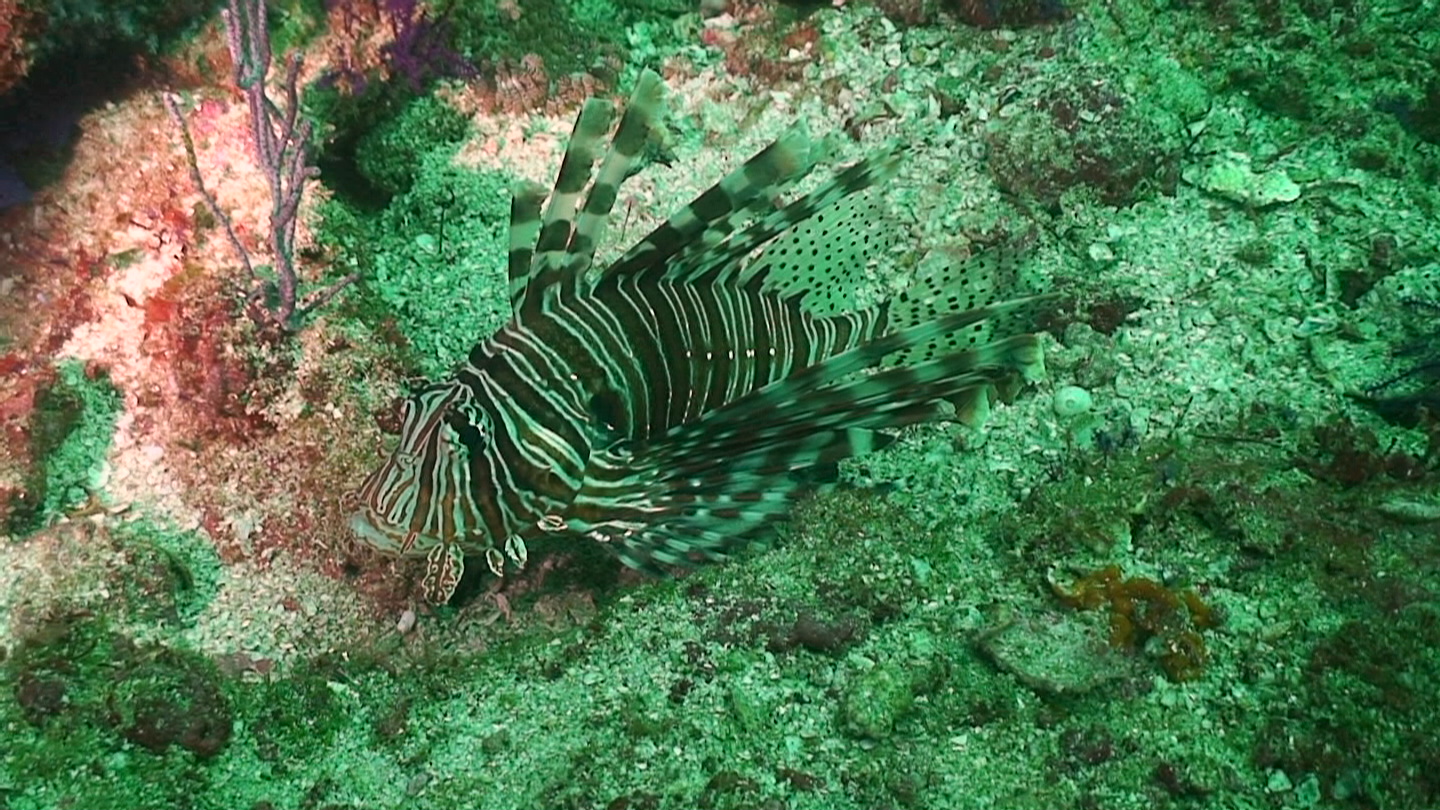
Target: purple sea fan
column 421, row 49
column 418, row 50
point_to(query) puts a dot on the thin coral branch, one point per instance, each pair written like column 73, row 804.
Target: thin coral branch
column 282, row 140
column 220, row 216
column 322, row 297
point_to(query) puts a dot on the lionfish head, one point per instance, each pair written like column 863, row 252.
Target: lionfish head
column 412, row 503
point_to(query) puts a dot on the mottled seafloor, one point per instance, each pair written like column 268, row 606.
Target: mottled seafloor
column 1189, row 570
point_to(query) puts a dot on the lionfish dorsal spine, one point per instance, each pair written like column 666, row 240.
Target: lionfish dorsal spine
column 631, row 137
column 700, row 226
column 526, row 202
column 557, row 246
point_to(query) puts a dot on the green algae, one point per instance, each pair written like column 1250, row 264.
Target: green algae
column 70, row 436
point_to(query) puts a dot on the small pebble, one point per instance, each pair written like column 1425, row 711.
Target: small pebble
column 406, row 623
column 1071, row 401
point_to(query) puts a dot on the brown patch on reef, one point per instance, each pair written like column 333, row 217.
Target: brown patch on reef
column 1083, row 132
column 17, row 24
column 189, row 332
column 244, row 436
column 270, row 483
column 757, row 44
column 21, row 383
column 524, row 86
column 1141, row 609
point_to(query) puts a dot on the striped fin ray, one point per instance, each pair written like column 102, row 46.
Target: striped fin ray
column 684, row 528
column 726, row 507
column 822, row 260
column 629, row 141
column 943, row 287
column 709, row 534
column 525, row 204
column 552, row 262
column 832, row 395
column 706, row 486
column 707, row 219
column 722, row 263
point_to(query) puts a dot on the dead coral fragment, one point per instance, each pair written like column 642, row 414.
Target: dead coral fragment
column 1055, row 654
column 1145, row 614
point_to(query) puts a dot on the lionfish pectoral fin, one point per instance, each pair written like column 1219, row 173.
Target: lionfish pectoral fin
column 972, row 407
column 683, row 544
column 834, row 395
column 705, row 488
column 666, row 506
column 684, row 529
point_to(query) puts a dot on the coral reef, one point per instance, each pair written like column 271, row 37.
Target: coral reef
column 1214, row 585
column 17, row 25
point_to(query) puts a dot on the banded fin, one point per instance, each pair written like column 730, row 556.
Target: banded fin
column 722, row 258
column 945, row 287
column 706, row 487
column 691, row 232
column 822, row 260
column 559, row 245
column 834, row 394
column 629, row 141
column 790, row 279
column 550, row 262
column 526, row 200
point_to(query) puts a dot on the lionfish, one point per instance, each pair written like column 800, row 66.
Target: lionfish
column 676, row 403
